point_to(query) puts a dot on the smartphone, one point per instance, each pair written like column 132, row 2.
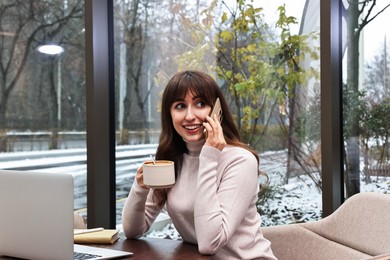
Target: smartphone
column 217, row 109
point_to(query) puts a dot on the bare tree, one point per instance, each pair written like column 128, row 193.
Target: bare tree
column 376, row 125
column 134, row 18
column 23, row 25
column 377, row 79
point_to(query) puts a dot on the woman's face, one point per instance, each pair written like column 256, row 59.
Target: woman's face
column 188, row 116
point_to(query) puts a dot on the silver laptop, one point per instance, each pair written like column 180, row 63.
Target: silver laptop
column 36, row 217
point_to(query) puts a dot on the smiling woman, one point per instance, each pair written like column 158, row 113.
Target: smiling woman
column 216, row 176
column 188, row 115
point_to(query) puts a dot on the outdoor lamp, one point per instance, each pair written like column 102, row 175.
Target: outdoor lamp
column 50, row 49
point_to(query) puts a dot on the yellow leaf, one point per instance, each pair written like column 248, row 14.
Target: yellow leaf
column 252, row 47
column 226, row 36
column 224, row 17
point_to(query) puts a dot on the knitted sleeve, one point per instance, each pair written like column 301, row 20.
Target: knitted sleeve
column 227, row 185
column 139, row 211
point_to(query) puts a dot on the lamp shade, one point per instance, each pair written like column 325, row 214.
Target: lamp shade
column 50, row 49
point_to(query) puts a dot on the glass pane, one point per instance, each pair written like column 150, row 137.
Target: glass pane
column 366, row 97
column 42, row 106
column 265, row 59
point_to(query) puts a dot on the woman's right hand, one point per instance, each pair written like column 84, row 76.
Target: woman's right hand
column 140, row 178
column 214, row 137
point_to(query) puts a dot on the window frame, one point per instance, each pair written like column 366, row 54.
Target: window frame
column 100, row 83
column 331, row 106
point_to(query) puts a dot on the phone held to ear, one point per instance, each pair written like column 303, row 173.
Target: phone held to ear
column 217, row 110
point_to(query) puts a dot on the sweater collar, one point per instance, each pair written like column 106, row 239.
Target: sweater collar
column 194, row 147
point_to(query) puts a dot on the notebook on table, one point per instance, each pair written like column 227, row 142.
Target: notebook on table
column 36, row 219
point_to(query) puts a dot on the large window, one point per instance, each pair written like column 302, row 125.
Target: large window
column 266, row 59
column 366, row 96
column 42, row 89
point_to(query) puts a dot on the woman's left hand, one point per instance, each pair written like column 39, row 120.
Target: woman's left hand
column 214, row 136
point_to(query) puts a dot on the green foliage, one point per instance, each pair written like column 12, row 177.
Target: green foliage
column 272, row 139
column 376, row 126
column 308, row 122
column 355, row 108
column 267, row 192
column 258, row 69
column 380, row 119
column 373, row 120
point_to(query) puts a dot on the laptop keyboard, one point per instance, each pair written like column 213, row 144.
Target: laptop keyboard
column 82, row 256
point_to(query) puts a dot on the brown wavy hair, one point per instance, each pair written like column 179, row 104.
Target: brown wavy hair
column 171, row 144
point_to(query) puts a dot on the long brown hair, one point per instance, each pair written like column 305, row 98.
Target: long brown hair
column 171, row 144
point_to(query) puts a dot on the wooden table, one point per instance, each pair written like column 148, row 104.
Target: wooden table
column 153, row 249
column 157, row 248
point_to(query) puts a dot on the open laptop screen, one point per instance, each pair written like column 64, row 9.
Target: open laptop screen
column 36, row 220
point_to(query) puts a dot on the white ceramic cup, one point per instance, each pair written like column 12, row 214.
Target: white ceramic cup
column 159, row 175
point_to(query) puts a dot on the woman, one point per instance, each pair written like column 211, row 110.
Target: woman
column 213, row 201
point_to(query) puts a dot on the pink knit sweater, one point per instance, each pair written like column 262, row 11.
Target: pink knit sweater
column 212, row 204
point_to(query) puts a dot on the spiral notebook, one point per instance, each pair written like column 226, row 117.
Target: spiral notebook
column 36, row 220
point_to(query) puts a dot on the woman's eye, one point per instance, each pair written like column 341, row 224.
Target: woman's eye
column 200, row 104
column 179, row 106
